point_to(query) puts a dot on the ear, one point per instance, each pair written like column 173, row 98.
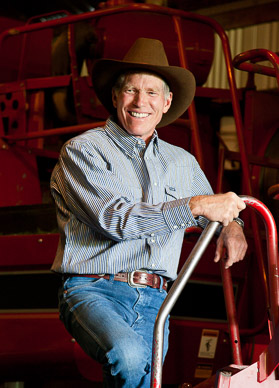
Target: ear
column 114, row 98
column 167, row 103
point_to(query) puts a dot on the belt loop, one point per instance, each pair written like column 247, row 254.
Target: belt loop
column 111, row 278
column 161, row 283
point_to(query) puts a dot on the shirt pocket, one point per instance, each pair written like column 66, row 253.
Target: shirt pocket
column 173, row 192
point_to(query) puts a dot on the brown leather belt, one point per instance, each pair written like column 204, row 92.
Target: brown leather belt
column 134, row 279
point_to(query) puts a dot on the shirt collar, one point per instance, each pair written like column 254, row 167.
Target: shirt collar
column 126, row 141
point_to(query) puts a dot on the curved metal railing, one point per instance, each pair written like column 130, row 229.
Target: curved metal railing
column 188, row 268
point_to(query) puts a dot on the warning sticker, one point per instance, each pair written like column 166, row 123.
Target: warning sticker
column 208, row 343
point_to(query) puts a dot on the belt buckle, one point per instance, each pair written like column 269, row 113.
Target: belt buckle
column 131, row 282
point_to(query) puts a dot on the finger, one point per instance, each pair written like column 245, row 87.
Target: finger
column 226, row 221
column 234, row 257
column 217, row 257
column 218, row 251
column 228, row 262
column 241, row 204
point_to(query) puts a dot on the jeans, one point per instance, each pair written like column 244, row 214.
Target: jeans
column 113, row 323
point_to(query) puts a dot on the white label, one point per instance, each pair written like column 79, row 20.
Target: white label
column 208, row 343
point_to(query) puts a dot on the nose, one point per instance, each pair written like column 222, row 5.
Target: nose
column 140, row 98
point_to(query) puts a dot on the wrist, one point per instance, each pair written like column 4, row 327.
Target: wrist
column 194, row 205
column 239, row 222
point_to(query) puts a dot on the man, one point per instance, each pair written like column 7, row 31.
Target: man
column 124, row 198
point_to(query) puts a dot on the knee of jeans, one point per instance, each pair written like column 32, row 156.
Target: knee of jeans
column 129, row 361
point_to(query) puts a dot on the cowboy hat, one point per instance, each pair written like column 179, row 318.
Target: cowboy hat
column 146, row 54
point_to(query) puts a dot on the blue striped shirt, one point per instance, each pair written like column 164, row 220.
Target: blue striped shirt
column 122, row 205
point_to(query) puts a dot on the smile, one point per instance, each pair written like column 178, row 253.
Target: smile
column 139, row 115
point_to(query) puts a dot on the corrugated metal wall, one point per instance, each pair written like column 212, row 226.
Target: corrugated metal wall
column 242, row 39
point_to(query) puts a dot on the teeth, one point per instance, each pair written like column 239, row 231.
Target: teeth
column 139, row 115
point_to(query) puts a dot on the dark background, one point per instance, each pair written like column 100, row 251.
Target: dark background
column 229, row 13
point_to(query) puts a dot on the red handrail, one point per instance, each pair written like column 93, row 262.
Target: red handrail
column 185, row 273
column 257, row 55
column 273, row 280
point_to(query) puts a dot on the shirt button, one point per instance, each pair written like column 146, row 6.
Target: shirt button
column 153, row 265
column 153, row 241
column 182, row 225
column 152, row 234
column 175, row 226
column 155, row 183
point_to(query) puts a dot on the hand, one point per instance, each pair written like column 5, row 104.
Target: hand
column 232, row 238
column 219, row 207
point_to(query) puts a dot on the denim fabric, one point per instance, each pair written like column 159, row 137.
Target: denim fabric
column 113, row 322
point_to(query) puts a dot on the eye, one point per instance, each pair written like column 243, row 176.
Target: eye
column 152, row 93
column 130, row 90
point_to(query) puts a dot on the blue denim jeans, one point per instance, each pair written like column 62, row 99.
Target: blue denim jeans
column 113, row 323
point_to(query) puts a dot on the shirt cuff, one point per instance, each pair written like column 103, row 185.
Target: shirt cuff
column 178, row 215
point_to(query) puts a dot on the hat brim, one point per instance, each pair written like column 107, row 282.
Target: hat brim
column 181, row 83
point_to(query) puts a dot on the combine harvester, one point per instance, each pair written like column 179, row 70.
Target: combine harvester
column 46, row 97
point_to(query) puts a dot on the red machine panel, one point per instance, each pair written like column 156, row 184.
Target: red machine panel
column 198, row 38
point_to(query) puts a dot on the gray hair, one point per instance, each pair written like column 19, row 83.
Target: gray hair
column 119, row 83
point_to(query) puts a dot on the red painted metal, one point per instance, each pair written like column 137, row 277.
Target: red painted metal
column 273, row 191
column 269, row 359
column 272, row 253
column 176, row 16
column 133, row 8
column 228, row 286
column 235, row 376
column 55, row 131
column 257, row 55
column 260, row 374
column 39, row 339
column 18, row 177
column 33, row 85
column 39, row 251
column 231, row 314
column 191, row 110
column 22, row 57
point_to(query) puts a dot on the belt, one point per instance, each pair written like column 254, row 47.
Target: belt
column 134, row 279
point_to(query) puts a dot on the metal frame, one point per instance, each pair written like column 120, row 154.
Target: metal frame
column 176, row 16
column 185, row 273
column 171, row 298
column 257, row 55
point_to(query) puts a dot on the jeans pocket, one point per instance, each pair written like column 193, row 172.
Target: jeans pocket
column 77, row 282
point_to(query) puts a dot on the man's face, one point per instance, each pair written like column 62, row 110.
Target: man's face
column 140, row 104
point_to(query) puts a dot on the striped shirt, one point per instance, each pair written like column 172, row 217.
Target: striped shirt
column 122, row 205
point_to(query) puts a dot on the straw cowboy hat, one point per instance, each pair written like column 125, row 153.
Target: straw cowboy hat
column 146, row 54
